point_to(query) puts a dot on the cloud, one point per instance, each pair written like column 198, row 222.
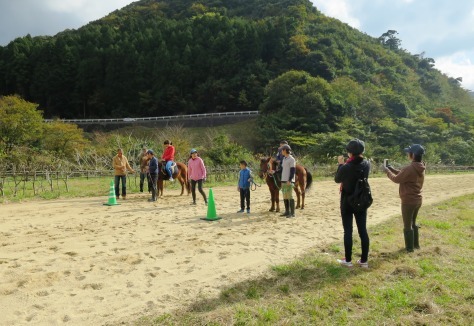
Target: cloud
column 340, row 9
column 459, row 64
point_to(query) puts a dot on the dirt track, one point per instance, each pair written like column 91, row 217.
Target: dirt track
column 80, row 262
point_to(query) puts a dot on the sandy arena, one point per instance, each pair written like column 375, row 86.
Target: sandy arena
column 78, row 262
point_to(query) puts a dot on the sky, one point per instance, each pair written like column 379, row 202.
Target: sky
column 442, row 29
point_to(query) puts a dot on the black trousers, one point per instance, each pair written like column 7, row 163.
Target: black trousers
column 348, row 215
column 117, row 180
column 143, row 176
column 244, row 197
column 409, row 214
column 153, row 177
column 193, row 189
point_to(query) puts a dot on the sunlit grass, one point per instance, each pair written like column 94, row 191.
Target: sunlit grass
column 432, row 286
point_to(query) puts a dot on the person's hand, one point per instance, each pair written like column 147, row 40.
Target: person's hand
column 340, row 159
column 288, row 183
column 204, row 180
column 385, row 168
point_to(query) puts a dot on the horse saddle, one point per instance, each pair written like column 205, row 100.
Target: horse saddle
column 174, row 170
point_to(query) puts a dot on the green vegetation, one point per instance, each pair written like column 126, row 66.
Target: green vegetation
column 316, row 82
column 433, row 286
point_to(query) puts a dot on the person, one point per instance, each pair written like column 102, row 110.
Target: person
column 143, row 163
column 153, row 173
column 197, row 174
column 120, row 164
column 288, row 165
column 411, row 179
column 245, row 179
column 278, row 159
column 348, row 173
column 168, row 157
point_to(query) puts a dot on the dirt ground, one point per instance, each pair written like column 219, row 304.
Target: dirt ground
column 79, row 262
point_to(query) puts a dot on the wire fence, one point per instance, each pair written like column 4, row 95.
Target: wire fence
column 33, row 183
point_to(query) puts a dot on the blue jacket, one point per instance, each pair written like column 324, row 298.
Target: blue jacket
column 244, row 176
column 153, row 165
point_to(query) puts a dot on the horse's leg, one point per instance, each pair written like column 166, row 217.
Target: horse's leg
column 160, row 188
column 303, row 190
column 298, row 195
column 277, row 199
column 272, row 196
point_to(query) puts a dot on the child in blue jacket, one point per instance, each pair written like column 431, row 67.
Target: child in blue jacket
column 245, row 178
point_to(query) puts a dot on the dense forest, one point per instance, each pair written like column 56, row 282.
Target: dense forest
column 315, row 80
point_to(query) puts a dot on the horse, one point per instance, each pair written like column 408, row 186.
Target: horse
column 180, row 172
column 303, row 182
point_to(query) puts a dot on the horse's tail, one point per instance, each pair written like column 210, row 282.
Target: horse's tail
column 309, row 179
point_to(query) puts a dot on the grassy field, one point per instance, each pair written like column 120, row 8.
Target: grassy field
column 433, row 286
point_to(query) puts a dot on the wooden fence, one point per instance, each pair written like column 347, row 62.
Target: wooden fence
column 36, row 182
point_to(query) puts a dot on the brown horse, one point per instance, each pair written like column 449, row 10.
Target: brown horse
column 303, row 181
column 180, row 173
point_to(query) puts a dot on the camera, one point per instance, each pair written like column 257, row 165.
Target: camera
column 385, row 162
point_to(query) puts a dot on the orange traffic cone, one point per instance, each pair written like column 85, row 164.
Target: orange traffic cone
column 211, row 209
column 112, row 199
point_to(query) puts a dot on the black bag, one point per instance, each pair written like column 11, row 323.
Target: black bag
column 361, row 199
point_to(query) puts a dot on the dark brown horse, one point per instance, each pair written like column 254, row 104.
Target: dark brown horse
column 303, row 181
column 181, row 174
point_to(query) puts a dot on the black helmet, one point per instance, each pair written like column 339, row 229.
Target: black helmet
column 355, row 147
column 416, row 149
column 287, row 147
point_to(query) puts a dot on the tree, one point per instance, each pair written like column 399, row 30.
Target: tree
column 21, row 124
column 64, row 139
column 389, row 40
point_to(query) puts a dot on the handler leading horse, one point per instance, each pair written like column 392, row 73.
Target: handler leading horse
column 180, row 173
column 303, row 182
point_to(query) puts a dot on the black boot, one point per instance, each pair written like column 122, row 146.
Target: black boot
column 416, row 239
column 409, row 241
column 287, row 208
column 292, row 208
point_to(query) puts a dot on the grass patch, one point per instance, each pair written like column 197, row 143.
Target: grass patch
column 432, row 286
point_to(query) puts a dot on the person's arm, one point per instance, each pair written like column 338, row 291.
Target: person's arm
column 393, row 170
column 127, row 166
column 403, row 175
column 115, row 163
column 190, row 168
column 340, row 170
column 203, row 168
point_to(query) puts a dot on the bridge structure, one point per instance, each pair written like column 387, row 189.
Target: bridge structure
column 189, row 120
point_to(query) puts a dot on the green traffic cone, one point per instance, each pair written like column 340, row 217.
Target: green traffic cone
column 211, row 208
column 112, row 199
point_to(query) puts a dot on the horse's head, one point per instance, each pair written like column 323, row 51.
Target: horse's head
column 264, row 166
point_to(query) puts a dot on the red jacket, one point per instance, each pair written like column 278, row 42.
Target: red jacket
column 168, row 154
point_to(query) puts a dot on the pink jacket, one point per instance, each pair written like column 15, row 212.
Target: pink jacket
column 196, row 169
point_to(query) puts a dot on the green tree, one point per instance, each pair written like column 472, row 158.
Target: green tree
column 64, row 139
column 21, row 124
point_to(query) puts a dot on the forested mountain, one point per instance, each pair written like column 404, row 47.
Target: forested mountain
column 308, row 74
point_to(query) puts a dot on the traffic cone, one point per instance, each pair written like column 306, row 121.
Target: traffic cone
column 211, row 209
column 112, row 199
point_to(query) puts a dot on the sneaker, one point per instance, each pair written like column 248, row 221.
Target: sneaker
column 241, row 211
column 171, row 179
column 193, row 203
column 363, row 265
column 123, row 197
column 152, row 199
column 343, row 262
column 248, row 210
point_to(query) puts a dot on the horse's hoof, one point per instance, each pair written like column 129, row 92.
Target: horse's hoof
column 271, row 210
column 277, row 211
column 302, row 207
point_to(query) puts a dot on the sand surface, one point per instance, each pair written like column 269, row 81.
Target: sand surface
column 78, row 262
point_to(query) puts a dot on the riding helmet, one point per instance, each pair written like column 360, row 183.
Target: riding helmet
column 416, row 149
column 355, row 147
column 287, row 147
column 193, row 151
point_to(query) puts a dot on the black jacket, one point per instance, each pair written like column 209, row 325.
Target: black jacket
column 349, row 173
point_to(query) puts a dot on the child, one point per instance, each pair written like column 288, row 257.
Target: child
column 245, row 178
column 197, row 175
